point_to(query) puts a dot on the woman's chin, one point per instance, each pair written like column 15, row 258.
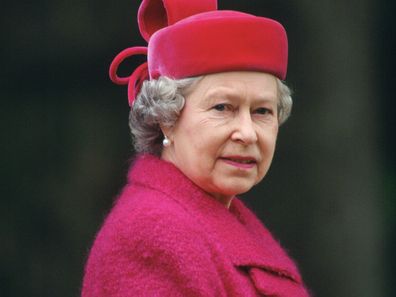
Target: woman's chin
column 232, row 190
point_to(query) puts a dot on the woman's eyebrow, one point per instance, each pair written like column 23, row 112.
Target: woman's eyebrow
column 218, row 93
column 221, row 92
column 266, row 99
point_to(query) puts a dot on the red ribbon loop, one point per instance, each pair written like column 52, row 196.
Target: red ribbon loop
column 136, row 79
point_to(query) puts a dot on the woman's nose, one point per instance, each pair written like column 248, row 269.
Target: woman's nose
column 244, row 130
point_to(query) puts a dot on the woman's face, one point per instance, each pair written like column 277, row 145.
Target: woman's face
column 225, row 137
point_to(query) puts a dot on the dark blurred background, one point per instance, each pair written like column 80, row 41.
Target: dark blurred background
column 329, row 197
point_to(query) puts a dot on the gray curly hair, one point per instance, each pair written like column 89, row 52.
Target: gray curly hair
column 161, row 101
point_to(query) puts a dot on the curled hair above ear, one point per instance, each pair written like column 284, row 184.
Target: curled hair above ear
column 159, row 103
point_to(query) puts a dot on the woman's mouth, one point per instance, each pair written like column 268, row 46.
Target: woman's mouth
column 240, row 161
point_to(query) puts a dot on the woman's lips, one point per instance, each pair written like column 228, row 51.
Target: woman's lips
column 240, row 161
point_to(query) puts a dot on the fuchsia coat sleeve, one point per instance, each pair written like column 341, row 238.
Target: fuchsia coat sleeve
column 166, row 237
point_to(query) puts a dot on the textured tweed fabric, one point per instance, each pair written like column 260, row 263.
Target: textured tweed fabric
column 166, row 237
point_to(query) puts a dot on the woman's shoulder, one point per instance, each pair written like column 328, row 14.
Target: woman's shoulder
column 149, row 218
column 152, row 244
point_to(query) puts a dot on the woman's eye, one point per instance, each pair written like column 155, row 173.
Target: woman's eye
column 263, row 110
column 220, row 107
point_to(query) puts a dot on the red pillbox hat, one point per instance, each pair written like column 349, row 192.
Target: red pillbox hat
column 191, row 37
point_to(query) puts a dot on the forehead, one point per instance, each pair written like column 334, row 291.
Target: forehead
column 234, row 85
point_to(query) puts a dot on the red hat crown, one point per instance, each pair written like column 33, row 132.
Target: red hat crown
column 191, row 38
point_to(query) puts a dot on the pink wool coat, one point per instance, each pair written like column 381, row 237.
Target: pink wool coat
column 166, row 237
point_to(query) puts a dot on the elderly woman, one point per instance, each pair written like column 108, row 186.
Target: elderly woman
column 205, row 113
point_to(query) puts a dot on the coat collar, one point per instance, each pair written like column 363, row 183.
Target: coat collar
column 247, row 242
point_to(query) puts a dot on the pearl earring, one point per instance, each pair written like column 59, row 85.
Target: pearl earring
column 166, row 142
